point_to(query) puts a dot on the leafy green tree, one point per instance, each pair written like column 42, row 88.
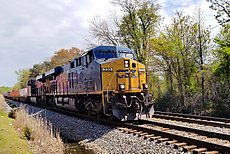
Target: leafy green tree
column 40, row 68
column 179, row 52
column 5, row 89
column 221, row 79
column 138, row 24
column 222, row 69
column 23, row 77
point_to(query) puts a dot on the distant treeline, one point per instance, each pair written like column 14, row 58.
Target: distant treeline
column 188, row 70
column 59, row 58
column 4, row 89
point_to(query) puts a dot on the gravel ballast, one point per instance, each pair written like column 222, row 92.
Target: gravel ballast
column 100, row 138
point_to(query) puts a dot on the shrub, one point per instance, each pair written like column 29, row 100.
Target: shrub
column 12, row 114
column 169, row 102
column 27, row 133
column 42, row 137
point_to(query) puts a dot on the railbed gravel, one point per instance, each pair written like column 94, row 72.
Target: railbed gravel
column 100, row 138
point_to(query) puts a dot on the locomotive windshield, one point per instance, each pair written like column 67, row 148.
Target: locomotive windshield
column 99, row 54
column 107, row 52
column 126, row 55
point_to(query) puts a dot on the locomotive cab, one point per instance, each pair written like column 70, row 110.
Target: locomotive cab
column 124, row 86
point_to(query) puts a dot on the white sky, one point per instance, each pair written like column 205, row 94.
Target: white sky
column 32, row 31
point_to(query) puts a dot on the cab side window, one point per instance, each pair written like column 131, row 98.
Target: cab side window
column 72, row 64
column 89, row 58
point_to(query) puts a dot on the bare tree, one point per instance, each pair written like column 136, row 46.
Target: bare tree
column 103, row 31
column 223, row 10
column 134, row 28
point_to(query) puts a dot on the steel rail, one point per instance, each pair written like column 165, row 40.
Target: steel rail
column 192, row 120
column 188, row 129
column 225, row 120
column 180, row 138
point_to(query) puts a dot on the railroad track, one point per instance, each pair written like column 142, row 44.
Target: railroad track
column 203, row 120
column 189, row 139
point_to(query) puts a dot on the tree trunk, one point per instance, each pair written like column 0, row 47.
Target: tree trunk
column 201, row 63
column 180, row 84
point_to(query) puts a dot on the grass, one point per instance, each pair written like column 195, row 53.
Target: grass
column 42, row 137
column 15, row 134
column 10, row 141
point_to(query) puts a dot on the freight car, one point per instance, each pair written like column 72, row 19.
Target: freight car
column 105, row 80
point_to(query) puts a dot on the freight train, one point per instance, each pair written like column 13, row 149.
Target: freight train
column 105, row 80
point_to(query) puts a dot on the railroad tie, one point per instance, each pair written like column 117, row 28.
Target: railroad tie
column 227, row 145
column 154, row 138
column 178, row 145
column 126, row 130
column 131, row 131
column 210, row 152
column 148, row 136
column 171, row 142
column 189, row 148
column 137, row 133
column 165, row 129
column 199, row 150
column 142, row 134
column 160, row 140
column 225, row 141
column 121, row 128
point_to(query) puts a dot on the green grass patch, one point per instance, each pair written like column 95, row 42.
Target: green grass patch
column 2, row 113
column 10, row 141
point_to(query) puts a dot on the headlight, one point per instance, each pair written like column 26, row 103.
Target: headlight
column 121, row 86
column 126, row 63
column 145, row 86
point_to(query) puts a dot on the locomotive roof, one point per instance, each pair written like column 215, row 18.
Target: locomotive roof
column 39, row 77
column 108, row 46
column 117, row 48
column 55, row 71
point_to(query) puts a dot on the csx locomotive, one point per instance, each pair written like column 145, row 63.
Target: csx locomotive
column 105, row 80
